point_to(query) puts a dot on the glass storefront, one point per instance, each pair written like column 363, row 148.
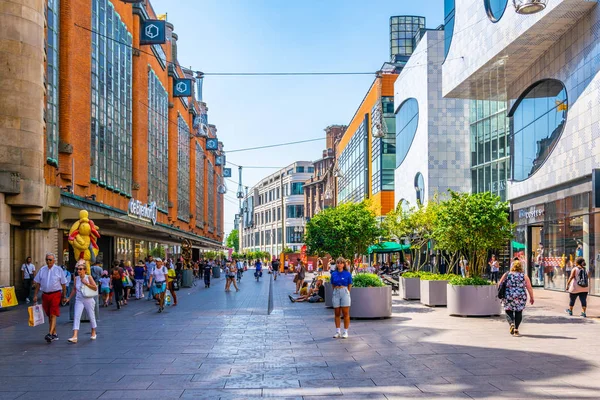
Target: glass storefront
column 550, row 236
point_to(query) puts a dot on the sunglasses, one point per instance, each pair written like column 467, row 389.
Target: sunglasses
column 49, row 259
column 80, row 269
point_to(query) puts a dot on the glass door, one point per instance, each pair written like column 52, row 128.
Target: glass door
column 535, row 250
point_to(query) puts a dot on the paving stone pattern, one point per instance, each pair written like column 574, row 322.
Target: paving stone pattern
column 217, row 345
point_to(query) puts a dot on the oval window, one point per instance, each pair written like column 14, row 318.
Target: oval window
column 495, row 9
column 536, row 122
column 449, row 12
column 420, row 188
column 407, row 120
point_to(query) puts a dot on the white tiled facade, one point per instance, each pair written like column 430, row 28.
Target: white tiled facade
column 569, row 52
column 440, row 148
column 500, row 61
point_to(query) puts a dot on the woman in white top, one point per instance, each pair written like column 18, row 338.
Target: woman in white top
column 81, row 302
column 158, row 278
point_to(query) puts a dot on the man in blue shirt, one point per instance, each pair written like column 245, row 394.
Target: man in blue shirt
column 341, row 280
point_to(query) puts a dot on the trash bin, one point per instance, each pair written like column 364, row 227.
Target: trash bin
column 84, row 315
column 216, row 272
column 187, row 278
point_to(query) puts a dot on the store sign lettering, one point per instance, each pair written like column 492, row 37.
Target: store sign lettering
column 143, row 211
column 531, row 213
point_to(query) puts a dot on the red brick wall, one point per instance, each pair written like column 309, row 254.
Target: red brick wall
column 75, row 117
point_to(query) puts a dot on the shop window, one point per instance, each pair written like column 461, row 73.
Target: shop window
column 407, row 120
column 495, row 9
column 537, row 121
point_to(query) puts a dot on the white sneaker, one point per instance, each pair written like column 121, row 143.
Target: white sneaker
column 337, row 335
column 345, row 335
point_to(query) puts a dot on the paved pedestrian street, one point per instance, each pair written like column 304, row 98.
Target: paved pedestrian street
column 225, row 345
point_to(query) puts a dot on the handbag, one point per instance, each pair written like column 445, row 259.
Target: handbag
column 88, row 292
column 296, row 278
column 502, row 289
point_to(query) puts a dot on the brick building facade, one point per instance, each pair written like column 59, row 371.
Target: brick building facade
column 90, row 122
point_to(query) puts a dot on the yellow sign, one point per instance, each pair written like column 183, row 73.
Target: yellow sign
column 8, row 297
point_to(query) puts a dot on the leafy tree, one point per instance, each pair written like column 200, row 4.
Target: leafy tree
column 233, row 240
column 471, row 225
column 288, row 250
column 414, row 224
column 345, row 230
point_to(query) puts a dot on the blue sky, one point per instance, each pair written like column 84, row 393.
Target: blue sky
column 282, row 36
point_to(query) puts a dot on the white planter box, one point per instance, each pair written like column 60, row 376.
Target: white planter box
column 373, row 302
column 328, row 295
column 410, row 288
column 433, row 293
column 473, row 301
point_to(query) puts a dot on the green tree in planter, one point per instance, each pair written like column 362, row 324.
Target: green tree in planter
column 416, row 224
column 471, row 225
column 345, row 230
column 233, row 240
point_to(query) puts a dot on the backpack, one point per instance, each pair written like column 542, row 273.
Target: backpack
column 582, row 277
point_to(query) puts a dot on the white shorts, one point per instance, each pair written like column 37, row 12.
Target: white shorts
column 341, row 297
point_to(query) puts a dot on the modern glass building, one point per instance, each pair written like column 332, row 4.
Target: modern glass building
column 402, row 32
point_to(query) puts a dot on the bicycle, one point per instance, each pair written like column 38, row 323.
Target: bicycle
column 257, row 275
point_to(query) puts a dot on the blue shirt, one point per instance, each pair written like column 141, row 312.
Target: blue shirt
column 258, row 266
column 343, row 278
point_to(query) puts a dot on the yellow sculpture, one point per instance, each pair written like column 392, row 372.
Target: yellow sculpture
column 82, row 237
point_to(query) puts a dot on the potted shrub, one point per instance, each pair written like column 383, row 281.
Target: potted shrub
column 433, row 289
column 370, row 297
column 472, row 297
column 471, row 225
column 410, row 285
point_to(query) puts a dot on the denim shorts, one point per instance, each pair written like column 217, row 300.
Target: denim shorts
column 341, row 297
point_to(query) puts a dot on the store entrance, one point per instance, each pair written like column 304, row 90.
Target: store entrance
column 535, row 256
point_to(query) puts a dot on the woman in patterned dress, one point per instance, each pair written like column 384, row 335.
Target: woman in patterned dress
column 517, row 287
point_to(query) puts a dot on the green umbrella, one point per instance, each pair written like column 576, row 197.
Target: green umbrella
column 387, row 247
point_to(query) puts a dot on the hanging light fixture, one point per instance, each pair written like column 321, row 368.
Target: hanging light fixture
column 527, row 7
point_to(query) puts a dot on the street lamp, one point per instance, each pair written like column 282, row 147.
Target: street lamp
column 529, row 6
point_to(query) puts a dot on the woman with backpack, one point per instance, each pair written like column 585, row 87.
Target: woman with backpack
column 578, row 286
column 515, row 297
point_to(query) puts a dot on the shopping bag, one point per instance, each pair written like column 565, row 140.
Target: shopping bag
column 36, row 315
column 168, row 298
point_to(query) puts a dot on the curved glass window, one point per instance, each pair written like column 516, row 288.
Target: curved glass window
column 495, row 9
column 536, row 120
column 420, row 187
column 448, row 24
column 407, row 120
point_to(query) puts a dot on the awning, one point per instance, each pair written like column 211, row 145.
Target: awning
column 517, row 245
column 387, row 247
